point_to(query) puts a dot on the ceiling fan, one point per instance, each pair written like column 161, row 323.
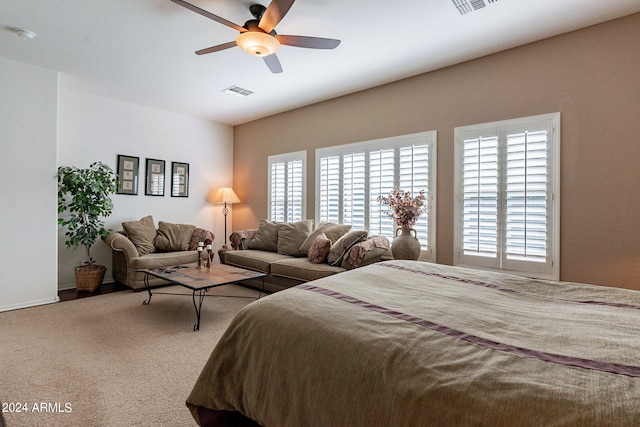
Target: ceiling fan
column 258, row 36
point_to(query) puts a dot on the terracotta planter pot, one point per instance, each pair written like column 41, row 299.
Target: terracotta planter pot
column 405, row 245
column 89, row 277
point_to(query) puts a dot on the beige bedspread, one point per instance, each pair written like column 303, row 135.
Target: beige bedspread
column 404, row 343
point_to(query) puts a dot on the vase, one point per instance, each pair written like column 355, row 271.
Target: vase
column 405, row 245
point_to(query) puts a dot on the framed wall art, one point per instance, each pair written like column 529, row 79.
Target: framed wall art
column 128, row 167
column 179, row 179
column 155, row 178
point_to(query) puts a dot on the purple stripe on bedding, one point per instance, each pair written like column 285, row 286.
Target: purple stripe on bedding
column 613, row 368
column 502, row 289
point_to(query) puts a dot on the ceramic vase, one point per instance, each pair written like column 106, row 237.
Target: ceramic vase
column 406, row 245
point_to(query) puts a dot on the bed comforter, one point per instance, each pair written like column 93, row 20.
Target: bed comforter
column 405, row 343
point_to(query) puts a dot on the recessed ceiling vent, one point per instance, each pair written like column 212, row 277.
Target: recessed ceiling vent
column 237, row 91
column 468, row 6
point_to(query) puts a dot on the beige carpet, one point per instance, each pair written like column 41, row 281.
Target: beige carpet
column 108, row 360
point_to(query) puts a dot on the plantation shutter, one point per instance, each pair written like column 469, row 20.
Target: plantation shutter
column 286, row 187
column 480, row 199
column 414, row 176
column 353, row 193
column 293, row 210
column 350, row 178
column 507, row 179
column 330, row 189
column 526, row 198
column 278, row 187
column 381, row 181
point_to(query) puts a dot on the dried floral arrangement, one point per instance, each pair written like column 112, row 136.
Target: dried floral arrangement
column 404, row 208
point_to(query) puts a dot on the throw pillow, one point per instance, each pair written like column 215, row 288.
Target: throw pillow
column 141, row 233
column 332, row 230
column 340, row 248
column 266, row 238
column 319, row 249
column 366, row 252
column 173, row 237
column 291, row 235
column 200, row 235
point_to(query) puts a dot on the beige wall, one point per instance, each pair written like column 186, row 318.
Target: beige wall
column 591, row 76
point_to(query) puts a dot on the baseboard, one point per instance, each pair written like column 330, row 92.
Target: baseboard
column 28, row 304
column 70, row 286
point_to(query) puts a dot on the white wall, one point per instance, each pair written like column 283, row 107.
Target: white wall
column 93, row 128
column 28, row 126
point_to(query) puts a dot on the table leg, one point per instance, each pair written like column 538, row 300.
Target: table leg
column 198, row 307
column 262, row 289
column 148, row 287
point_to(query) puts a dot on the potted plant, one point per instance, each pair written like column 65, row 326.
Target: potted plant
column 85, row 195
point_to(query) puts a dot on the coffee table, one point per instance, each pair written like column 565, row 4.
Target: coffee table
column 200, row 280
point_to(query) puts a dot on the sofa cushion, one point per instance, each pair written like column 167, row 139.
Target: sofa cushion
column 302, row 269
column 162, row 259
column 253, row 259
column 332, row 230
column 141, row 233
column 173, row 237
column 320, row 249
column 340, row 248
column 291, row 235
column 266, row 238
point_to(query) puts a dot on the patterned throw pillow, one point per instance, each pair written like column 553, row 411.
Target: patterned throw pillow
column 200, row 235
column 340, row 248
column 319, row 249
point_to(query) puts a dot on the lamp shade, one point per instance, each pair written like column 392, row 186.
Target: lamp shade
column 258, row 43
column 224, row 195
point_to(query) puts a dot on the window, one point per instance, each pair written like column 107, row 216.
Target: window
column 287, row 184
column 507, row 195
column 349, row 178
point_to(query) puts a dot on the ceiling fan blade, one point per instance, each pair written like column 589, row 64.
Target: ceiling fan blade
column 276, row 10
column 273, row 63
column 216, row 48
column 308, row 42
column 210, row 15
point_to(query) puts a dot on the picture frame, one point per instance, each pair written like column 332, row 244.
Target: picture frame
column 154, row 177
column 127, row 170
column 179, row 179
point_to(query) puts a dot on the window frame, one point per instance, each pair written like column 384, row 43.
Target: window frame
column 287, row 158
column 395, row 143
column 550, row 269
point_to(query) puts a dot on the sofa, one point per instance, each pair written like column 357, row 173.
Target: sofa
column 140, row 245
column 294, row 253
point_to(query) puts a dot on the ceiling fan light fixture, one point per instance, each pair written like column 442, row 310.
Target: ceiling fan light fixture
column 258, row 43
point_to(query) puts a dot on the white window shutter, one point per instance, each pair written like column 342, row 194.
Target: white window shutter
column 507, row 195
column 381, row 182
column 480, row 199
column 350, row 178
column 414, row 177
column 287, row 187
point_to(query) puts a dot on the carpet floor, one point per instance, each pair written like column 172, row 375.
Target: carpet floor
column 108, row 360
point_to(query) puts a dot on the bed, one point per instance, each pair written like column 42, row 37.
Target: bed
column 406, row 343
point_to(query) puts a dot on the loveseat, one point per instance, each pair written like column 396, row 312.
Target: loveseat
column 141, row 246
column 294, row 253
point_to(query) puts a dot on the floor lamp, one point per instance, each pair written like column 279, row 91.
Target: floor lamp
column 225, row 195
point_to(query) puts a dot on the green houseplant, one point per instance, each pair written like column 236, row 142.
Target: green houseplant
column 85, row 195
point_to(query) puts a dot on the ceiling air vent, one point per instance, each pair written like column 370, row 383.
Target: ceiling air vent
column 468, row 6
column 237, row 91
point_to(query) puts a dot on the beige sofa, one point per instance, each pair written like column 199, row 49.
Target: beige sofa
column 294, row 253
column 141, row 246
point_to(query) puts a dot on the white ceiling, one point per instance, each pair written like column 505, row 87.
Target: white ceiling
column 143, row 51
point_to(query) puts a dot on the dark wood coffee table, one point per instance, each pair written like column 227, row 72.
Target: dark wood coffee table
column 201, row 280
